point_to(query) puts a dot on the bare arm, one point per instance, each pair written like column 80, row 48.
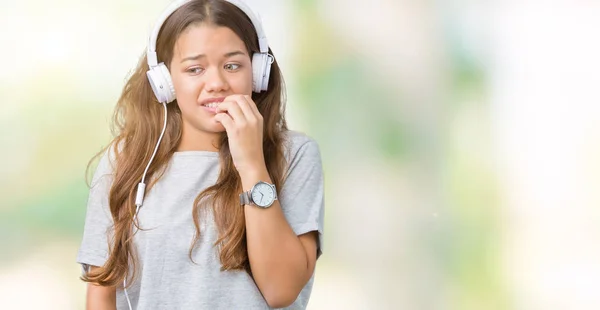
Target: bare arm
column 100, row 297
column 281, row 262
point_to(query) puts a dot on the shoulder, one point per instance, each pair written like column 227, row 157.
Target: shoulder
column 107, row 165
column 300, row 150
column 297, row 143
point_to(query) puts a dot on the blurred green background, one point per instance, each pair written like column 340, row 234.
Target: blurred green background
column 460, row 142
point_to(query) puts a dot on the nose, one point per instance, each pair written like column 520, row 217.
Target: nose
column 215, row 81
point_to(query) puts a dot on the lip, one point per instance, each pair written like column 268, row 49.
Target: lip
column 211, row 100
column 204, row 102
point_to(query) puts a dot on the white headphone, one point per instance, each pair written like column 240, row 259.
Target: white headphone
column 159, row 76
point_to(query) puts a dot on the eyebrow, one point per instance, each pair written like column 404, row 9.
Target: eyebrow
column 227, row 55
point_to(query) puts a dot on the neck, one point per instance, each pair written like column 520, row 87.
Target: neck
column 197, row 140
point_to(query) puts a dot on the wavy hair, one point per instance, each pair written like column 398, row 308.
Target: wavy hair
column 136, row 126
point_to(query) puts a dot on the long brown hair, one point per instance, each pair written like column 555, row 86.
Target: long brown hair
column 137, row 123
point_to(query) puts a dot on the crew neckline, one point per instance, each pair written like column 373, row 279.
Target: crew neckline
column 196, row 153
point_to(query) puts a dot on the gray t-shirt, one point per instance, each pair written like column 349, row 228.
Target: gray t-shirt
column 167, row 278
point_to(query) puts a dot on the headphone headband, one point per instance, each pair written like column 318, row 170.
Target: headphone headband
column 255, row 19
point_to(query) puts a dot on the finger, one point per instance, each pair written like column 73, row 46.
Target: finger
column 253, row 106
column 226, row 121
column 246, row 107
column 233, row 109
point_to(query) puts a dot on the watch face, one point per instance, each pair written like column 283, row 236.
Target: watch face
column 263, row 195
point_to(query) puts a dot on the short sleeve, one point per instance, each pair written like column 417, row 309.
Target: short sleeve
column 302, row 197
column 93, row 250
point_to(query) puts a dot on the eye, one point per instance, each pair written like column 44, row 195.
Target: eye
column 195, row 70
column 232, row 67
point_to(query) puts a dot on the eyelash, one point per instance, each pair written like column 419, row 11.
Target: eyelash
column 193, row 70
column 238, row 66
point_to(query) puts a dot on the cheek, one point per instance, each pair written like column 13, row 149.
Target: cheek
column 185, row 87
column 242, row 83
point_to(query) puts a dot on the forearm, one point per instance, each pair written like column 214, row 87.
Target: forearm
column 100, row 298
column 98, row 304
column 277, row 257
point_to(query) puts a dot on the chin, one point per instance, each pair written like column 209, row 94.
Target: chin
column 205, row 125
column 213, row 127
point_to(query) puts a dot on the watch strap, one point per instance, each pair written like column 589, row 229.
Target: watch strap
column 245, row 198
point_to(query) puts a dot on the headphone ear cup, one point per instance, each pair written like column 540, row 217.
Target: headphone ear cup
column 161, row 83
column 170, row 88
column 261, row 69
column 267, row 73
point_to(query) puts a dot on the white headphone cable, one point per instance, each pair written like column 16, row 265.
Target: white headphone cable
column 139, row 199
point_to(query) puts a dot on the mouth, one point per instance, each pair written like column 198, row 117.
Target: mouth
column 212, row 102
column 210, row 105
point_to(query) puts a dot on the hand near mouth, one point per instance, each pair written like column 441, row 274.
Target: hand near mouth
column 244, row 125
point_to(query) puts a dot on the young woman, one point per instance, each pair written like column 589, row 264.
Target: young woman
column 208, row 202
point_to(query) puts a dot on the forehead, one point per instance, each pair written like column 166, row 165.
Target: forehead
column 207, row 39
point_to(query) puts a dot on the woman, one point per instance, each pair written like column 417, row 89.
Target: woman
column 229, row 210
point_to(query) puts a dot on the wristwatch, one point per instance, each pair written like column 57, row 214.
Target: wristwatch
column 262, row 195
